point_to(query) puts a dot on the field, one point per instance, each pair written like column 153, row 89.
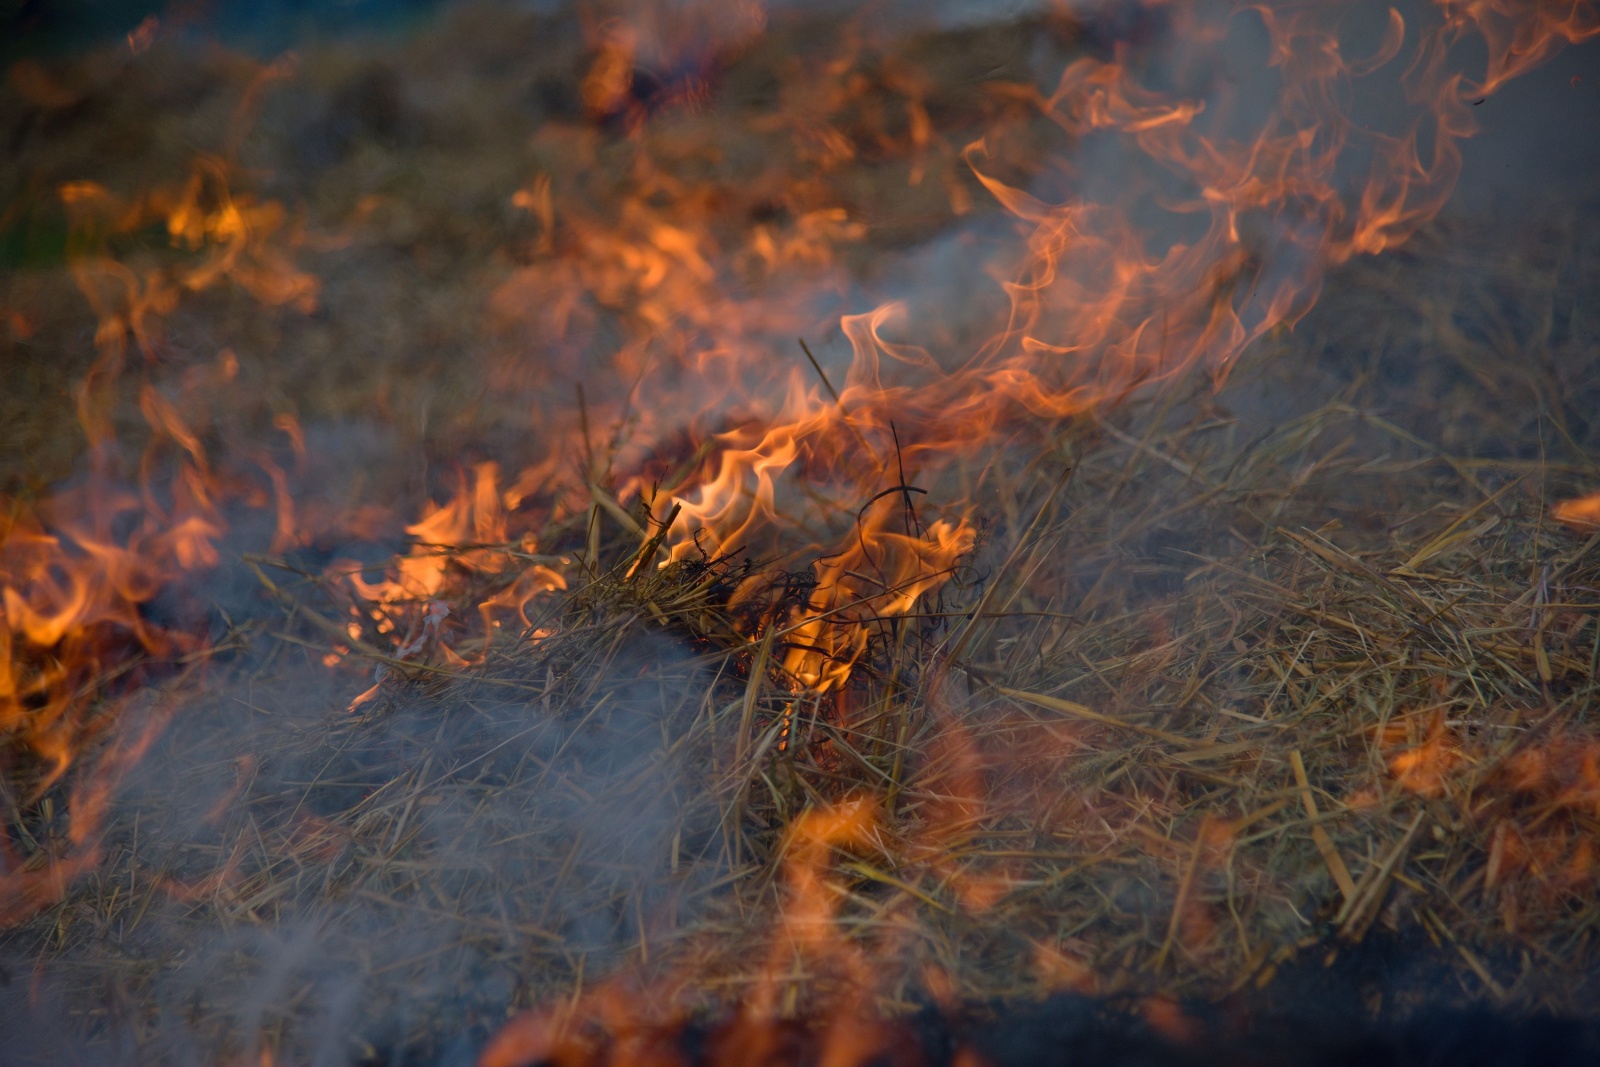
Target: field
column 472, row 552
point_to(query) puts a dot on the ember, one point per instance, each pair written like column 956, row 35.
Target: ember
column 682, row 532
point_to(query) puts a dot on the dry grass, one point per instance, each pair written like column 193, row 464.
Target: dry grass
column 1242, row 689
column 1236, row 680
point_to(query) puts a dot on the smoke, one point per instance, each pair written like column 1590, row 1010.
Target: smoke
column 281, row 877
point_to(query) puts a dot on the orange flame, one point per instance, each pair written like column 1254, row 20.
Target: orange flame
column 76, row 572
column 1218, row 233
column 466, row 537
column 1218, row 237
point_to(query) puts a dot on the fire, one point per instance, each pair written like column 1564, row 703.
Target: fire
column 464, row 538
column 1220, row 236
column 1102, row 302
column 1534, row 807
column 632, row 1028
column 78, row 569
column 1096, row 309
column 1581, row 513
column 1426, row 767
column 673, row 306
column 1547, row 847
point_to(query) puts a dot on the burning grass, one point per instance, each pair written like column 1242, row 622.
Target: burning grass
column 1219, row 694
column 1150, row 694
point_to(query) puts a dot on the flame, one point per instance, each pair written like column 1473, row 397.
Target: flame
column 1536, row 811
column 1550, row 838
column 1217, row 233
column 77, row 570
column 1219, row 236
column 1427, row 767
column 1096, row 311
column 462, row 539
column 604, row 89
column 1581, row 513
column 630, row 1022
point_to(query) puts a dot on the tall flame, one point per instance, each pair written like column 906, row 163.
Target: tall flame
column 77, row 571
column 1221, row 215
